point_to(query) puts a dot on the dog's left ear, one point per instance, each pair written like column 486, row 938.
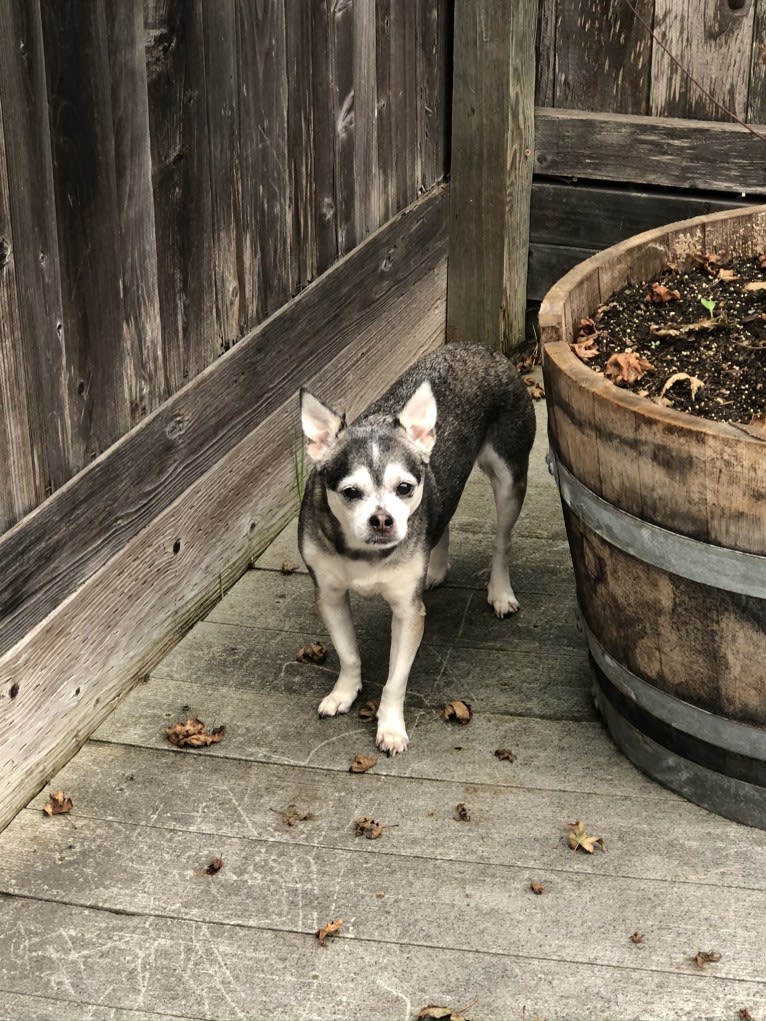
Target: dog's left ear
column 320, row 424
column 418, row 418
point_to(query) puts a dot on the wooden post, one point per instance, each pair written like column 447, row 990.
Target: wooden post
column 491, row 177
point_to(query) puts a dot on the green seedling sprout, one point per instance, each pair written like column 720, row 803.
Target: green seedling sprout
column 708, row 304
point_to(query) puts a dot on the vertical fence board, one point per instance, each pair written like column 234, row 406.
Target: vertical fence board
column 756, row 107
column 545, row 71
column 323, row 91
column 713, row 40
column 181, row 175
column 434, row 90
column 603, row 56
column 301, row 141
column 54, row 420
column 365, row 133
column 341, row 74
column 137, row 267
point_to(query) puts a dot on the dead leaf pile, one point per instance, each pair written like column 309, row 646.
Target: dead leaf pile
column 627, row 367
column 361, row 763
column 314, row 652
column 329, row 930
column 58, row 803
column 585, row 343
column 366, row 827
column 193, row 734
column 578, row 838
column 458, row 712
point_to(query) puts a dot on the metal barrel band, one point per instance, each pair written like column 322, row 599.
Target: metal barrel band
column 739, row 738
column 716, row 566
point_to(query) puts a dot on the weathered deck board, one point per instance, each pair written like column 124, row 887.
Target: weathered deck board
column 107, row 912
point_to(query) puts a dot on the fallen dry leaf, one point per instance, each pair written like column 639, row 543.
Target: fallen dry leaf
column 685, row 329
column 292, row 815
column 585, row 349
column 362, row 763
column 331, row 929
column 215, row 866
column 368, row 711
column 762, row 256
column 637, row 937
column 627, row 367
column 505, row 755
column 193, row 734
column 727, row 274
column 288, row 568
column 535, row 387
column 703, row 957
column 366, row 827
column 314, row 652
column 458, row 712
column 58, row 803
column 432, row 1012
column 679, row 377
column 744, row 1014
column 537, row 888
column 577, row 837
column 659, row 294
column 709, row 261
column 525, row 364
column 461, row 813
column 755, row 285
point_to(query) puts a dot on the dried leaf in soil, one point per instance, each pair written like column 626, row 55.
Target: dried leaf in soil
column 703, row 957
column 361, row 763
column 577, row 837
column 366, row 827
column 637, row 937
column 585, row 349
column 505, row 755
column 193, row 734
column 292, row 815
column 215, row 866
column 537, row 888
column 659, row 294
column 755, row 285
column 368, row 711
column 461, row 813
column 432, row 1012
column 695, row 384
column 314, row 652
column 627, row 367
column 535, row 387
column 458, row 712
column 58, row 803
column 331, row 929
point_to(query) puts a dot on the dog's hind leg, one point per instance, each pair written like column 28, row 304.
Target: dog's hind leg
column 509, row 489
column 335, row 608
column 438, row 562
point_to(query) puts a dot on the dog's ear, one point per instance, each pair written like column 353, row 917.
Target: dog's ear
column 320, row 424
column 418, row 418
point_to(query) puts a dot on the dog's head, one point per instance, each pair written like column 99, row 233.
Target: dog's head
column 373, row 473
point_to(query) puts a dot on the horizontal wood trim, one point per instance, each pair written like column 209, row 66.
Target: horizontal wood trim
column 665, row 151
column 51, row 552
column 66, row 674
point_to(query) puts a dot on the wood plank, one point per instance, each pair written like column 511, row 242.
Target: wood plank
column 301, row 127
column 545, row 53
column 325, row 209
column 149, row 469
column 62, row 677
column 111, row 863
column 181, row 179
column 55, row 429
column 209, row 970
column 649, row 150
column 341, row 69
column 756, row 105
column 713, row 40
column 434, row 90
column 603, row 56
column 491, row 174
column 367, row 216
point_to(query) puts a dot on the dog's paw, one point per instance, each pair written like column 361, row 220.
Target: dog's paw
column 337, row 703
column 504, row 603
column 436, row 579
column 392, row 740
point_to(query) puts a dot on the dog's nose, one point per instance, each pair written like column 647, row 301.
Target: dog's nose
column 381, row 522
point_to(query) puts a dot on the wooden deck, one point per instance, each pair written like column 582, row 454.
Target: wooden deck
column 108, row 912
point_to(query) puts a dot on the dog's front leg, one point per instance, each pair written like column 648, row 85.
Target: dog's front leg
column 335, row 608
column 407, row 624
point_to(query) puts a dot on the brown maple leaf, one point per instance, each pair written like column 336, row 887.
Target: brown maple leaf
column 193, row 734
column 314, row 652
column 703, row 957
column 364, row 826
column 505, row 755
column 458, row 712
column 659, row 294
column 215, row 866
column 627, row 367
column 585, row 349
column 368, row 711
column 361, row 763
column 58, row 803
column 329, row 930
column 577, row 837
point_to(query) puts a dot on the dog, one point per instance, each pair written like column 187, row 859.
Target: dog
column 377, row 504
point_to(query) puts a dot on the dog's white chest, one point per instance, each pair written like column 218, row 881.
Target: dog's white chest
column 393, row 582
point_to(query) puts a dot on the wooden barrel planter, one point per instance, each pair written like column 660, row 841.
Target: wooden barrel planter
column 666, row 519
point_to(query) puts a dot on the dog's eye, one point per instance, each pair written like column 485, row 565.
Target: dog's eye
column 405, row 489
column 352, row 493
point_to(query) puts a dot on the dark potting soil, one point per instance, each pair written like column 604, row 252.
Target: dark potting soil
column 717, row 352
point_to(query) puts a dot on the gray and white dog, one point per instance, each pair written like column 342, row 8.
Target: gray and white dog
column 377, row 505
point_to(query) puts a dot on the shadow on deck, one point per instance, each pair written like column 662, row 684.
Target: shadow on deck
column 108, row 912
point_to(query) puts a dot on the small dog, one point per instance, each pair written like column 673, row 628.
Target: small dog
column 377, row 505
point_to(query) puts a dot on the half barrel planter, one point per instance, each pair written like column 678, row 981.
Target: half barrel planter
column 666, row 520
